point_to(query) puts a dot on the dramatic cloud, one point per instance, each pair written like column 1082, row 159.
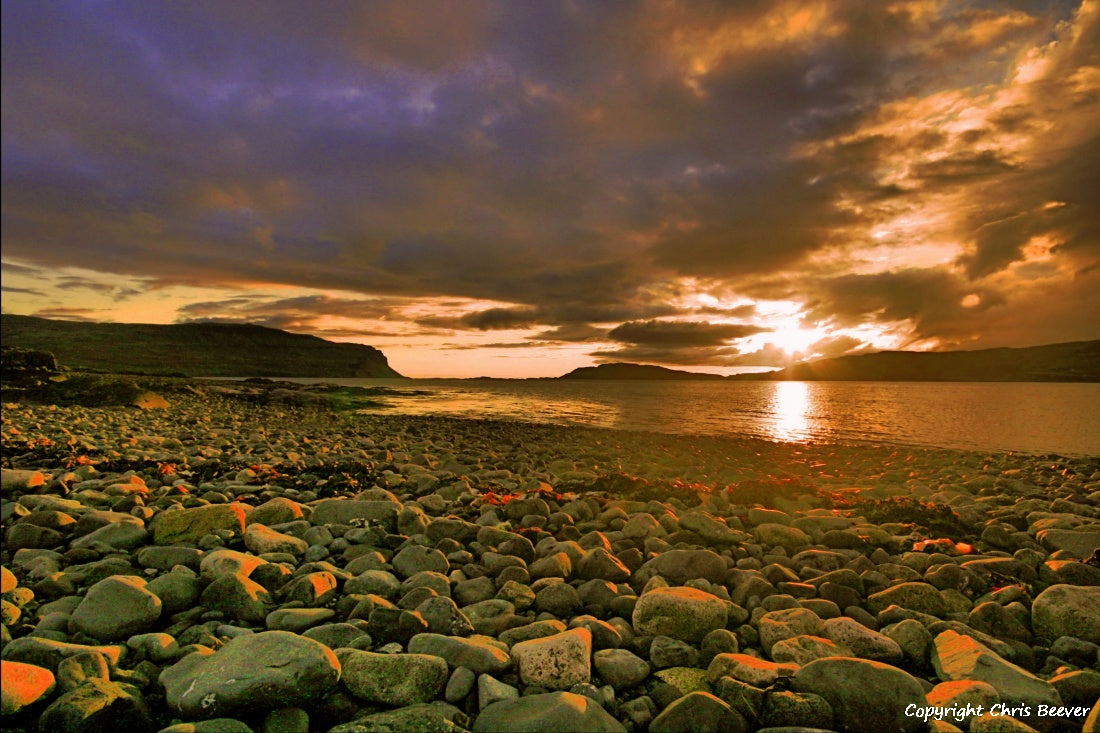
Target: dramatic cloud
column 878, row 174
column 680, row 333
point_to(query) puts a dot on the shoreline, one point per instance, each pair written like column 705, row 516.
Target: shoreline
column 458, row 553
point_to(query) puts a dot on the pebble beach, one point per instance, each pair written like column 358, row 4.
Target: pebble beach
column 215, row 562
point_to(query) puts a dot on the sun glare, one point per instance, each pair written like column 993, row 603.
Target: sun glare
column 793, row 339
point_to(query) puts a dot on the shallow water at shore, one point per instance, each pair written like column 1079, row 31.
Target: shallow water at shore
column 1028, row 417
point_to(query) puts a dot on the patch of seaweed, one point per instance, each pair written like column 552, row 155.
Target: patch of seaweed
column 936, row 519
column 765, row 491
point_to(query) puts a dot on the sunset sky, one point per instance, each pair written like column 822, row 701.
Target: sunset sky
column 521, row 188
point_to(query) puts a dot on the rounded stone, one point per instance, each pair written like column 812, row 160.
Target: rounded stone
column 552, row 712
column 392, row 679
column 864, row 695
column 22, row 685
column 555, row 662
column 620, row 668
column 683, row 613
column 1067, row 610
column 272, row 669
column 116, row 608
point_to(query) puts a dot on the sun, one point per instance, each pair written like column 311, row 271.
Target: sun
column 793, row 339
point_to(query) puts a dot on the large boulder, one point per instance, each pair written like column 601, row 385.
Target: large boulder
column 552, row 712
column 22, row 685
column 260, row 538
column 49, row 653
column 787, row 623
column 555, row 662
column 864, row 642
column 116, row 608
column 272, row 669
column 680, row 566
column 97, row 705
column 1067, row 610
column 392, row 679
column 699, row 712
column 864, row 695
column 683, row 613
column 959, row 657
column 914, row 596
column 353, row 512
column 188, row 526
column 476, row 653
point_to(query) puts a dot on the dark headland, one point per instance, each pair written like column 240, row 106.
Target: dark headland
column 1077, row 361
column 192, row 349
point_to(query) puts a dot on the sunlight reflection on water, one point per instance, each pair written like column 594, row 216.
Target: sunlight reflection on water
column 1039, row 417
column 790, row 404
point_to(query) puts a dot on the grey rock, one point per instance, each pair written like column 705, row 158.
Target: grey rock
column 863, row 695
column 272, row 669
column 552, row 712
column 415, row 558
column 97, row 705
column 862, row 641
column 1067, row 610
column 491, row 690
column 116, row 608
column 680, row 566
column 434, row 717
column 392, row 679
column 444, row 617
column 683, row 613
column 48, row 653
column 476, row 653
column 787, row 623
column 239, row 598
column 958, row 657
column 699, row 712
column 620, row 668
column 555, row 662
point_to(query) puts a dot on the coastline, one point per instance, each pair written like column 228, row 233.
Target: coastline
column 539, row 535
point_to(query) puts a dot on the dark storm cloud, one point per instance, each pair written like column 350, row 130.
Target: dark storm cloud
column 679, row 334
column 572, row 333
column 570, row 159
column 687, row 356
column 676, row 342
column 961, row 167
column 490, row 319
column 305, row 314
column 25, row 291
column 62, row 313
column 932, row 299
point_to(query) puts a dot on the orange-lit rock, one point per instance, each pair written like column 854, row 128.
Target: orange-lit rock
column 22, row 685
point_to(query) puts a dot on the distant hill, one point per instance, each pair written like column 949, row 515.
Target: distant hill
column 192, row 349
column 622, row 370
column 1078, row 361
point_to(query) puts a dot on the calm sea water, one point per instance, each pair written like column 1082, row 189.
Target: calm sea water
column 1030, row 417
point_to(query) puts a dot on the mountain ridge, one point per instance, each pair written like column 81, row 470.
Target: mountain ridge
column 194, row 349
column 1074, row 361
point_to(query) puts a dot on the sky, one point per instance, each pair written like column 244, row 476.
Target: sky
column 516, row 189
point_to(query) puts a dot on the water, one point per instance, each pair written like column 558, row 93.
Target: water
column 1028, row 417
